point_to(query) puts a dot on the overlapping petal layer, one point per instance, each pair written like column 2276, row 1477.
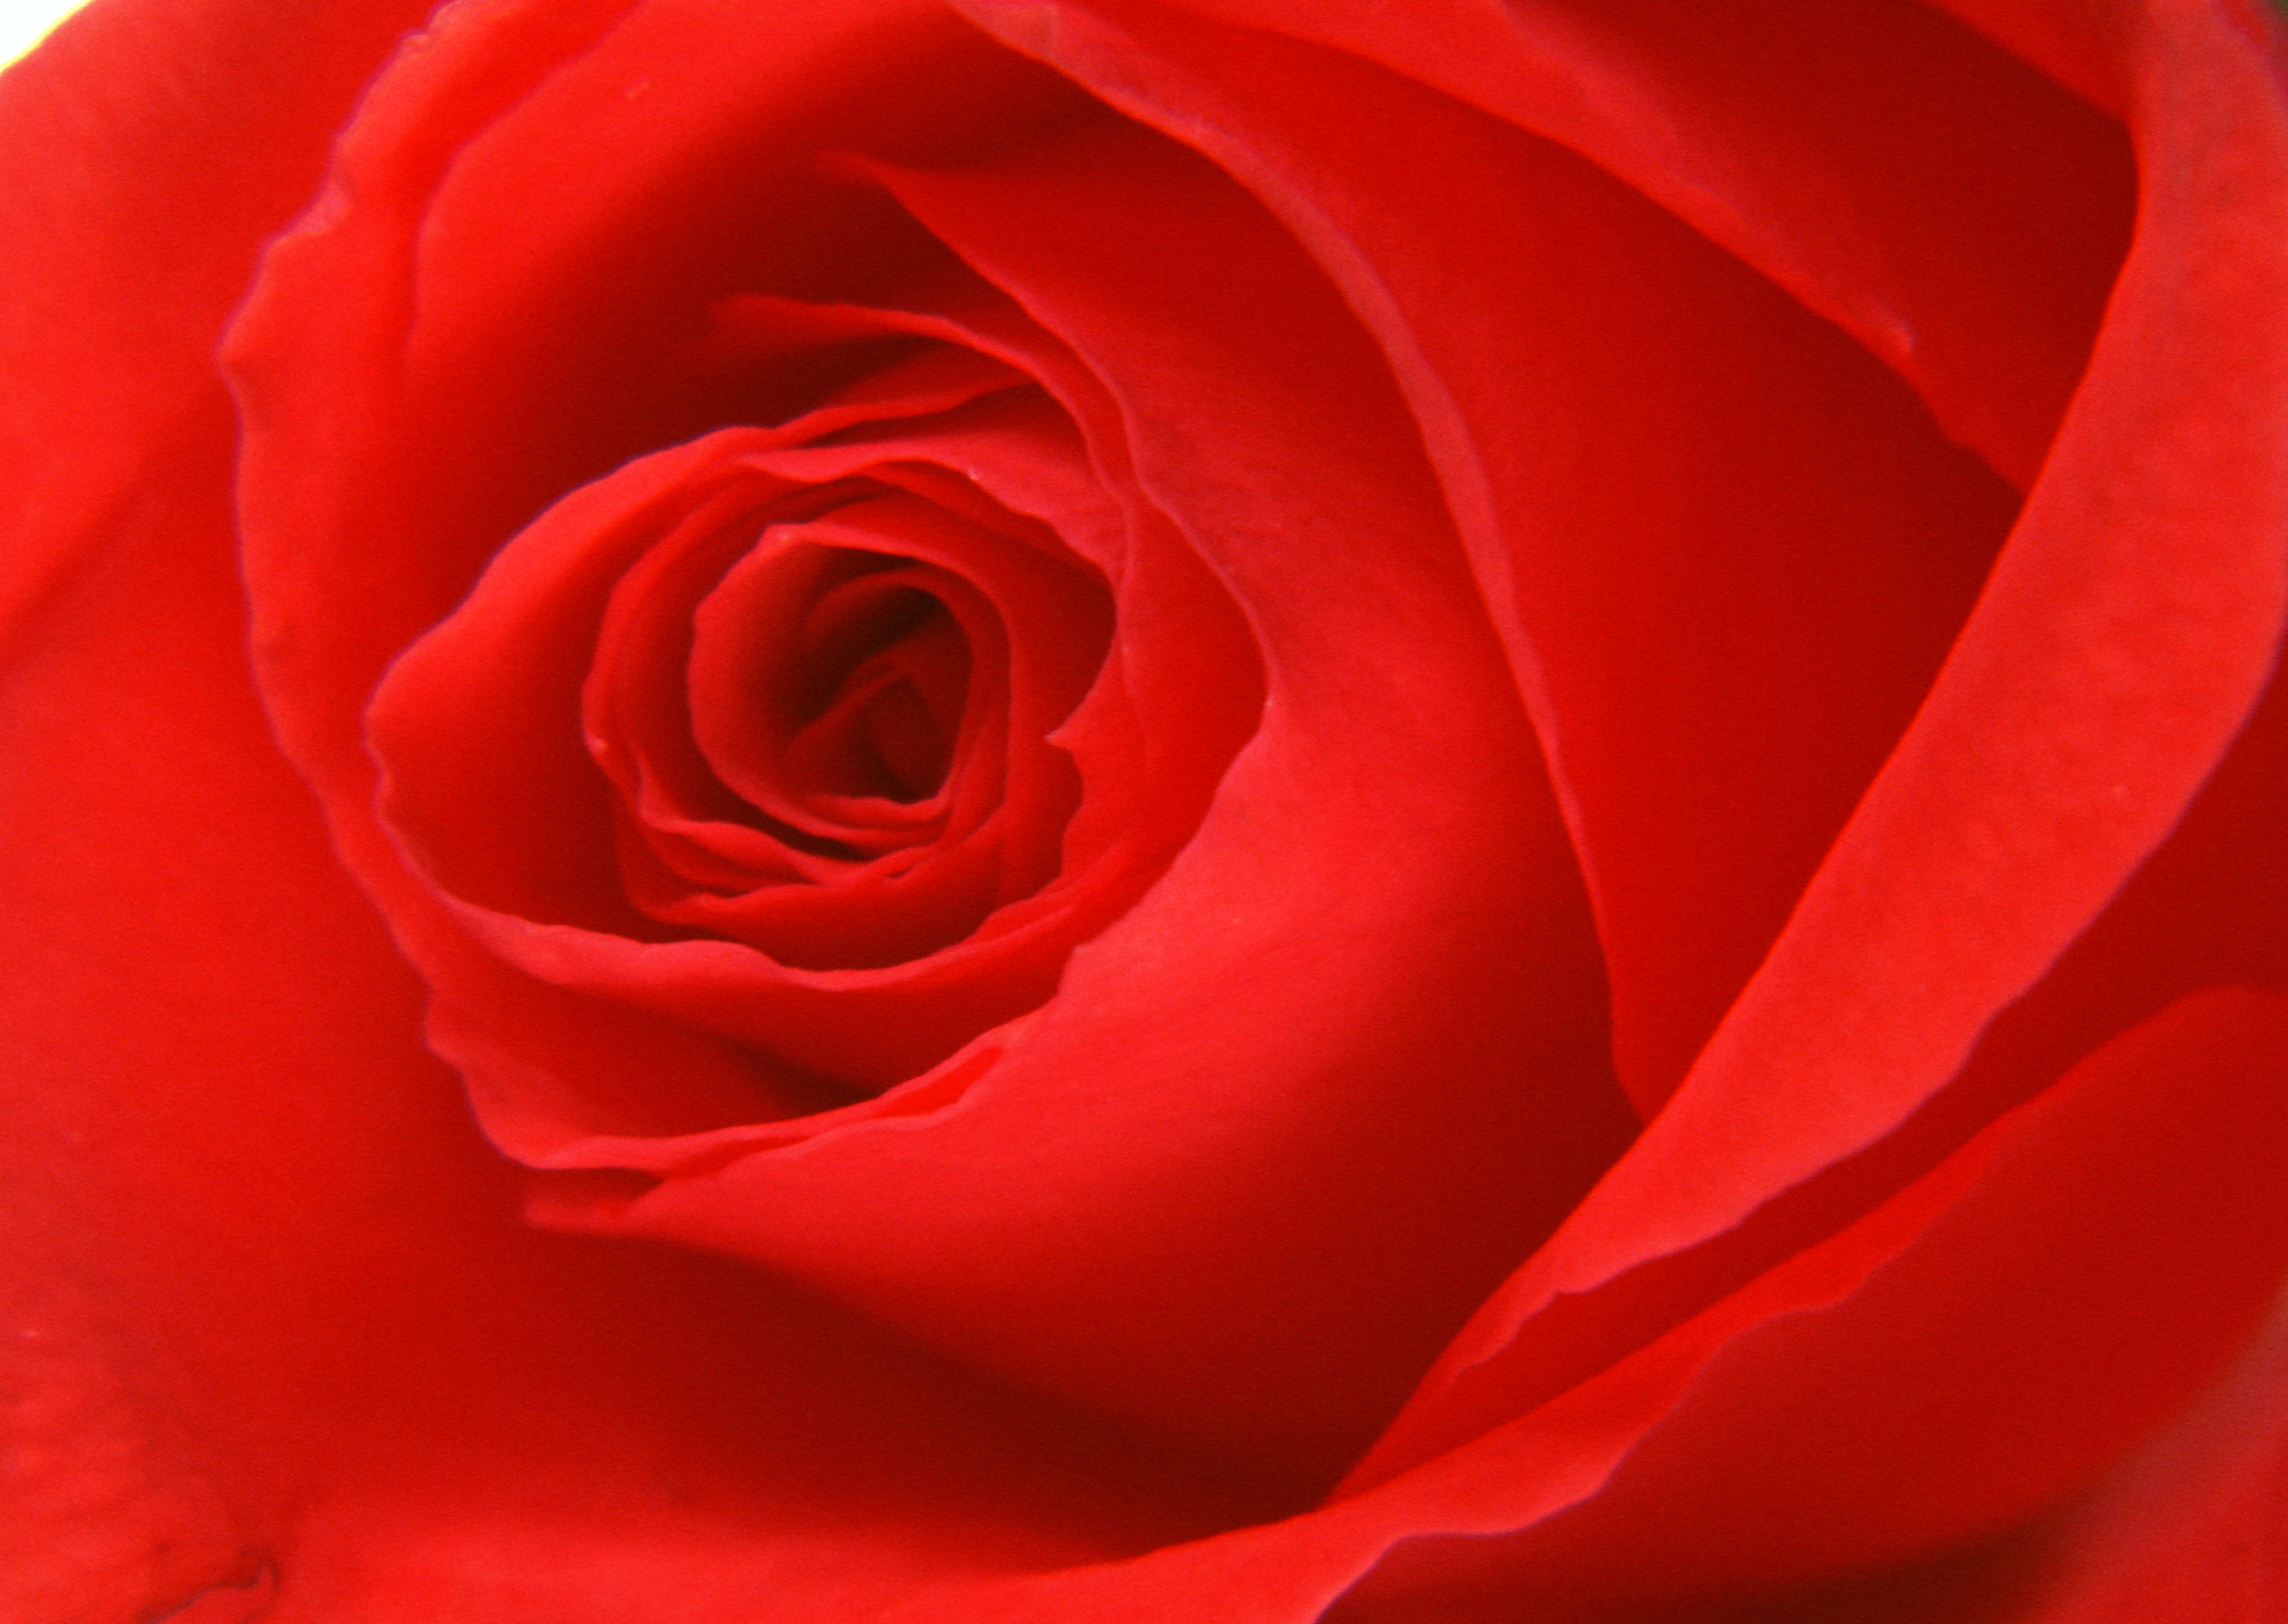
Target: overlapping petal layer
column 296, row 1347
column 1006, row 1193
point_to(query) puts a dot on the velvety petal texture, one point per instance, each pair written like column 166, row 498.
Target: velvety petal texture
column 1099, row 811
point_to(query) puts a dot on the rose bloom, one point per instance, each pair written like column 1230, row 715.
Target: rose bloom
column 1086, row 811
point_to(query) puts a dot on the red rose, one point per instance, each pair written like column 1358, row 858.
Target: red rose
column 1377, row 812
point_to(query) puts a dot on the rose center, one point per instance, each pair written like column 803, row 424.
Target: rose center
column 886, row 669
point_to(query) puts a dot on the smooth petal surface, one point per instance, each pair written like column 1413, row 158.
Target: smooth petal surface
column 1988, row 1414
column 2196, row 1528
column 2129, row 628
column 2079, row 673
column 119, row 461
column 1966, row 239
column 1654, row 458
column 134, row 164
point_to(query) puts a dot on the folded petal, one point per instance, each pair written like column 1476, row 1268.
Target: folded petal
column 1931, row 1406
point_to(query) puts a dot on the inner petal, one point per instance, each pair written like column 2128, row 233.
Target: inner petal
column 888, row 724
column 793, row 656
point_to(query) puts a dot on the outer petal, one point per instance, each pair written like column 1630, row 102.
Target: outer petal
column 1917, row 189
column 2128, row 633
column 2194, row 1530
column 1726, row 549
column 131, row 214
column 130, row 217
column 2124, row 637
column 1665, row 1474
column 2206, row 274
